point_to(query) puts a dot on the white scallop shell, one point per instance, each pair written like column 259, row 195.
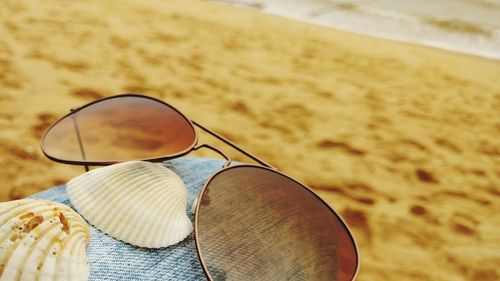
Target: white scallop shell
column 42, row 240
column 137, row 202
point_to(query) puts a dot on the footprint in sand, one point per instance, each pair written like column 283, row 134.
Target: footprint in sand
column 43, row 122
column 341, row 145
column 463, row 229
column 425, row 176
column 87, row 94
column 464, row 224
column 357, row 219
column 418, row 210
column 448, row 145
column 242, row 108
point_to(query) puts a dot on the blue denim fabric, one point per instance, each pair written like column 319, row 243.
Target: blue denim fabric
column 110, row 259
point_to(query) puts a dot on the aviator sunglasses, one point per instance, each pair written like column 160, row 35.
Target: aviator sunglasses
column 252, row 222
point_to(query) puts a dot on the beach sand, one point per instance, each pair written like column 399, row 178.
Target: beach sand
column 402, row 140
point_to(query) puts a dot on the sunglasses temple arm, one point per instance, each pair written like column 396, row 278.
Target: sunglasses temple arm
column 233, row 145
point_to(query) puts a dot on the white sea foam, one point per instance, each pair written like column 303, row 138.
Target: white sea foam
column 426, row 22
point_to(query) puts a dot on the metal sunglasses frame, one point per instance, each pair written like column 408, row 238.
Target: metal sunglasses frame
column 193, row 147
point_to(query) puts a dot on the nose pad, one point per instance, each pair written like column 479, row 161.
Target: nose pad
column 193, row 207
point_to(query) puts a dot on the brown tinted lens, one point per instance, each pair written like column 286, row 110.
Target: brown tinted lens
column 120, row 129
column 256, row 224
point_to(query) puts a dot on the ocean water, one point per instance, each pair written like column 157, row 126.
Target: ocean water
column 466, row 26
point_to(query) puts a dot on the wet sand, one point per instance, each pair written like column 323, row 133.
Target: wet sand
column 402, row 140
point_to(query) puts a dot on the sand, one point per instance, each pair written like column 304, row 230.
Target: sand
column 402, row 140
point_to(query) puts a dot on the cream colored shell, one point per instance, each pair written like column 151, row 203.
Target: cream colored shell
column 42, row 240
column 137, row 202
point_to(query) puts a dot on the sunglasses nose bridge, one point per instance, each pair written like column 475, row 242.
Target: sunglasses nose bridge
column 227, row 164
column 228, row 160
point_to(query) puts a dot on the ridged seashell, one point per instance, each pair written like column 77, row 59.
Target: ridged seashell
column 42, row 240
column 137, row 202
